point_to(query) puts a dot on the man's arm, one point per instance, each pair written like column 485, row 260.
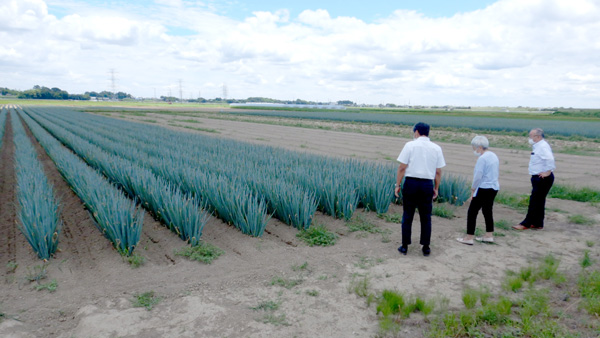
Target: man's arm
column 401, row 171
column 438, row 178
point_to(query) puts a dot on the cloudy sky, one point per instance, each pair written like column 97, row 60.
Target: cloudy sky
column 466, row 52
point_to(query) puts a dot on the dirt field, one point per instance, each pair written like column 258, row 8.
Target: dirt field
column 96, row 288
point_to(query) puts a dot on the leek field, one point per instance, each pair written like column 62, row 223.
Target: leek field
column 558, row 125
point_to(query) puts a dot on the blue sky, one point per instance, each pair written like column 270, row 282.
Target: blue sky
column 367, row 11
column 540, row 53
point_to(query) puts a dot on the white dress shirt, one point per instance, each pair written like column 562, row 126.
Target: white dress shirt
column 541, row 158
column 423, row 157
column 485, row 174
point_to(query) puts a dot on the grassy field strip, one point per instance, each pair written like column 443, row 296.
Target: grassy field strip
column 38, row 211
column 559, row 127
column 116, row 216
column 182, row 213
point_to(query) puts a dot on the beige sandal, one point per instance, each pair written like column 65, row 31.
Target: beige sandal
column 465, row 241
column 485, row 239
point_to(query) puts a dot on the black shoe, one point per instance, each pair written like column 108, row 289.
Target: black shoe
column 426, row 250
column 403, row 250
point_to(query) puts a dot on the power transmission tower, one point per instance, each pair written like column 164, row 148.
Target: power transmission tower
column 224, row 92
column 113, row 84
column 180, row 92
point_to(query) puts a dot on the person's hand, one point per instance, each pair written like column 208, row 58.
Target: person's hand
column 397, row 191
column 435, row 193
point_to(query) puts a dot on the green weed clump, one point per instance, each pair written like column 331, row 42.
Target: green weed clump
column 586, row 261
column 286, row 283
column 146, row 300
column 317, row 235
column 135, row 260
column 203, row 252
column 51, row 286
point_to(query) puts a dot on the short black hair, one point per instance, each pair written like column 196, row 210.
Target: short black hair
column 422, row 128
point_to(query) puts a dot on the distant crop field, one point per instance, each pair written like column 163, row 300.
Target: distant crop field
column 587, row 128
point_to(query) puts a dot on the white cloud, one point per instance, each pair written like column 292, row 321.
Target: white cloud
column 512, row 52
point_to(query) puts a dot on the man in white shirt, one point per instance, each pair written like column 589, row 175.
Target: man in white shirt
column 420, row 162
column 541, row 167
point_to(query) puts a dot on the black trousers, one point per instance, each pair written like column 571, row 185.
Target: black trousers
column 484, row 201
column 537, row 201
column 417, row 194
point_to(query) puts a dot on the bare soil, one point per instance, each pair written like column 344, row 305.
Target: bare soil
column 96, row 287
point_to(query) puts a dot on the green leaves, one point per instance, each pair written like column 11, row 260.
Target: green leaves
column 116, row 216
column 38, row 208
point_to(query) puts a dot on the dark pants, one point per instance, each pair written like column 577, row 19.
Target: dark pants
column 484, row 201
column 537, row 201
column 417, row 194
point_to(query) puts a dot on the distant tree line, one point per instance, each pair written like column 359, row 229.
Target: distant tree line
column 45, row 93
column 255, row 100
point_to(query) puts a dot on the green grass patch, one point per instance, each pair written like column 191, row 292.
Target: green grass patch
column 581, row 220
column 203, row 252
column 574, row 194
column 360, row 223
column 269, row 305
column 589, row 288
column 312, row 293
column 301, row 267
column 317, row 235
column 135, row 260
column 286, row 283
column 443, row 210
column 502, row 224
column 51, row 286
column 360, row 285
column 273, row 319
column 146, row 300
column 586, row 261
column 188, row 121
column 391, row 218
column 519, row 202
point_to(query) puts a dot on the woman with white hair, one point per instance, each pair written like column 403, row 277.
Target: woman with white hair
column 483, row 190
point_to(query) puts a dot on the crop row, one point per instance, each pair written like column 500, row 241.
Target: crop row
column 180, row 212
column 568, row 128
column 268, row 172
column 116, row 216
column 38, row 210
